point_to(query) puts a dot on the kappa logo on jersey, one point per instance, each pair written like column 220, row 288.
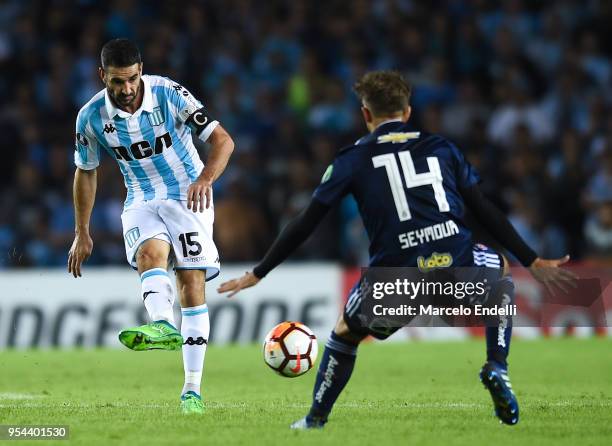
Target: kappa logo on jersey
column 180, row 89
column 132, row 236
column 435, row 260
column 109, row 128
column 397, row 137
column 191, row 101
column 142, row 149
column 157, row 117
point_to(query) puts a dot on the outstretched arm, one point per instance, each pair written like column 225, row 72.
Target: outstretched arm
column 494, row 220
column 221, row 148
column 84, row 193
column 290, row 238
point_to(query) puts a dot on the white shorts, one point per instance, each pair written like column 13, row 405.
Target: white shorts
column 189, row 233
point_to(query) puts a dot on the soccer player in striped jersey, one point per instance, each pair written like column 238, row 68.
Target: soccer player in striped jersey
column 146, row 124
column 412, row 189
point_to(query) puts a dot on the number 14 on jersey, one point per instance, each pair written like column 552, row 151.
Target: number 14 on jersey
column 413, row 179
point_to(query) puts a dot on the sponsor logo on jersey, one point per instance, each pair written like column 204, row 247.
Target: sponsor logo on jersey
column 435, row 260
column 156, row 117
column 397, row 137
column 109, row 127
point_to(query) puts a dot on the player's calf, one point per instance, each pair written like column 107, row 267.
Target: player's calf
column 498, row 331
column 494, row 374
column 334, row 372
column 195, row 328
column 157, row 294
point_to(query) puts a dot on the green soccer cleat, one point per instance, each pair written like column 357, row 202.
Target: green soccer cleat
column 158, row 335
column 191, row 404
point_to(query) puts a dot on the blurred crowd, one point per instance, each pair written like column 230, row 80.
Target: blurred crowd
column 523, row 87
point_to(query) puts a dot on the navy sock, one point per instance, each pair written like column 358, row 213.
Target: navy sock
column 499, row 334
column 334, row 372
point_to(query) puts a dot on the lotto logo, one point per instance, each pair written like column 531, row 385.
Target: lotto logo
column 436, row 260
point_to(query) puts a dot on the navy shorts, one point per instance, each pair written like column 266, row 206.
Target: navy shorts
column 488, row 266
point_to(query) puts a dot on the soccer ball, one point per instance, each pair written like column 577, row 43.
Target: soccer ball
column 290, row 349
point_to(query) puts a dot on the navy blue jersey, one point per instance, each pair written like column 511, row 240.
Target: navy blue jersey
column 406, row 185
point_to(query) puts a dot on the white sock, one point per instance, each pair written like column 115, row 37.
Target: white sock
column 158, row 295
column 195, row 329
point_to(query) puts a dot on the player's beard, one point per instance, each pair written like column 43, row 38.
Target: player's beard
column 125, row 100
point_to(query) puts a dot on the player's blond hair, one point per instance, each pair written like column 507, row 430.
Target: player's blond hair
column 385, row 92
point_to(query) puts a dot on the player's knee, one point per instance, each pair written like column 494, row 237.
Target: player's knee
column 149, row 256
column 342, row 330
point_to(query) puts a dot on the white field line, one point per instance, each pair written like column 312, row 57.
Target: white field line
column 19, row 396
column 213, row 405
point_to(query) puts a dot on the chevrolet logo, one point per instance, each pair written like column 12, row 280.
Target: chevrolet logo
column 397, row 137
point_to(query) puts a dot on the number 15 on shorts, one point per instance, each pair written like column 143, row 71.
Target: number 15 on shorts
column 191, row 247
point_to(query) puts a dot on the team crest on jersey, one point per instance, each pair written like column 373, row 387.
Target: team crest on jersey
column 156, row 117
column 397, row 137
column 132, row 236
column 435, row 260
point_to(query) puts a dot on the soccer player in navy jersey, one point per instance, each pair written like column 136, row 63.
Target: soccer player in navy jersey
column 412, row 189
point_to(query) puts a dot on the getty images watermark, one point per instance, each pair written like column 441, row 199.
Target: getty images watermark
column 455, row 296
column 404, row 288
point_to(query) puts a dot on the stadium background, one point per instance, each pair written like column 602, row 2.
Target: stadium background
column 524, row 89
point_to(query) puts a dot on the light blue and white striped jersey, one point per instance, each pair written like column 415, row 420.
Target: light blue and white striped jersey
column 153, row 146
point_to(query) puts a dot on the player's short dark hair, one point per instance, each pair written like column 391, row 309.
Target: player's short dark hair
column 119, row 53
column 385, row 92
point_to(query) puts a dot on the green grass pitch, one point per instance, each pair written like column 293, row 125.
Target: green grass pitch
column 401, row 393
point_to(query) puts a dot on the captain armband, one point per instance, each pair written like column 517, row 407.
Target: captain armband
column 201, row 123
